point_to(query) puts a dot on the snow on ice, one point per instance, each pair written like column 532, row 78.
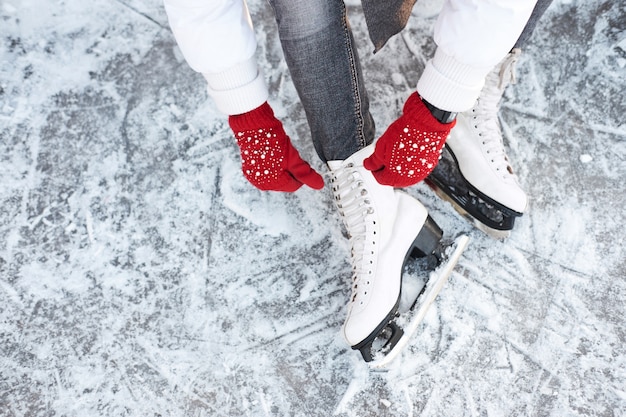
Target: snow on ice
column 141, row 275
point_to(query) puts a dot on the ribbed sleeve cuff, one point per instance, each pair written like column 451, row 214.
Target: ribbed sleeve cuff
column 260, row 118
column 451, row 85
column 239, row 89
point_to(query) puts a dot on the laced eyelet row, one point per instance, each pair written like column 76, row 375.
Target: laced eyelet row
column 351, row 199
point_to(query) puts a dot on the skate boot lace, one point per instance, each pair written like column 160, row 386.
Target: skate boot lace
column 351, row 199
column 485, row 114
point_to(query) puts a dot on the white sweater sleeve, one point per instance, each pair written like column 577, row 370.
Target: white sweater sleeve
column 472, row 36
column 217, row 40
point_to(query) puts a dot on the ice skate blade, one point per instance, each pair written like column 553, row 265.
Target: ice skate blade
column 490, row 231
column 436, row 282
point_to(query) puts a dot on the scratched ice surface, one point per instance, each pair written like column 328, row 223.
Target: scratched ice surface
column 140, row 274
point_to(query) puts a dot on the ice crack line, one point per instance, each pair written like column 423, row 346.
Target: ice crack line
column 156, row 22
column 300, row 333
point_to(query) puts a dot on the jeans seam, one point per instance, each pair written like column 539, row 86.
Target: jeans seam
column 355, row 80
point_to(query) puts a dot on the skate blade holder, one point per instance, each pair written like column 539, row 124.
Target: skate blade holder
column 399, row 339
column 381, row 341
column 486, row 214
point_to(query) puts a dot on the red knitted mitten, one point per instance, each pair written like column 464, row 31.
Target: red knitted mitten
column 410, row 148
column 268, row 159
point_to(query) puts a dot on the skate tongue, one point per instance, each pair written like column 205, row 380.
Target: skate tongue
column 355, row 159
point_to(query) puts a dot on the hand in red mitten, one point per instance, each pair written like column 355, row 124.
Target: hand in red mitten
column 410, row 148
column 268, row 159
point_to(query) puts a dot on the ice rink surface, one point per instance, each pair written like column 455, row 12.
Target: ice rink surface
column 141, row 275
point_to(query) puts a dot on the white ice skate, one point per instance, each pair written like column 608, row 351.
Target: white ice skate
column 474, row 173
column 384, row 226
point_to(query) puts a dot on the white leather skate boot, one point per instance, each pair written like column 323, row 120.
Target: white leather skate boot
column 487, row 189
column 384, row 227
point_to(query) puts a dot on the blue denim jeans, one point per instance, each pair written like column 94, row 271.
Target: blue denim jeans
column 319, row 49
